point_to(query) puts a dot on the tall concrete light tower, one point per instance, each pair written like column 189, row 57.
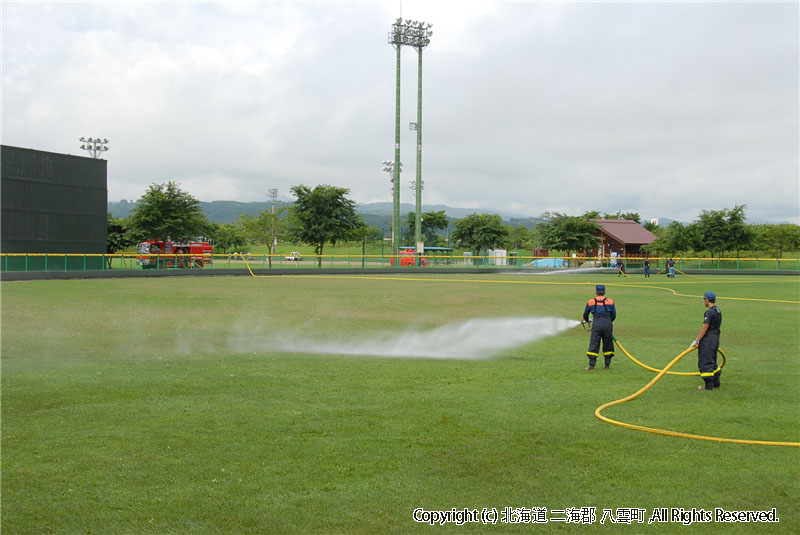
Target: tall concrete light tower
column 391, row 168
column 272, row 193
column 416, row 34
column 396, row 39
column 420, row 38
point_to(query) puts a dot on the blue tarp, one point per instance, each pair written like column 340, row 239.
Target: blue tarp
column 546, row 262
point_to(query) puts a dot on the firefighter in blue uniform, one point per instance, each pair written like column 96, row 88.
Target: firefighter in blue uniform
column 708, row 341
column 604, row 312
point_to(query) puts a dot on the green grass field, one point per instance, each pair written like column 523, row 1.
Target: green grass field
column 176, row 406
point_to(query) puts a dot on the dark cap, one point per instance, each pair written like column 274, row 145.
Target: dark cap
column 710, row 296
column 600, row 288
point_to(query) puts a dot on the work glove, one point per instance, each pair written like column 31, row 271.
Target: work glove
column 694, row 343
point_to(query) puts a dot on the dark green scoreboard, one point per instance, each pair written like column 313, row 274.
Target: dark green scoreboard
column 52, row 203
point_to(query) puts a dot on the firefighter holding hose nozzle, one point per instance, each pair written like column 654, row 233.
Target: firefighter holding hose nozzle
column 604, row 312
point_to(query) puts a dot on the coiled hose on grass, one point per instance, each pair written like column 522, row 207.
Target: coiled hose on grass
column 658, row 377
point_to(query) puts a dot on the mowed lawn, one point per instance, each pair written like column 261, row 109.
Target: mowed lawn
column 163, row 406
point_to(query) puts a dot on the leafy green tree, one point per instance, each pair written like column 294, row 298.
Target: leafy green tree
column 366, row 234
column 518, row 237
column 589, row 214
column 265, row 228
column 478, row 232
column 740, row 234
column 567, row 233
column 778, row 239
column 120, row 237
column 712, row 232
column 431, row 223
column 228, row 237
column 652, row 227
column 673, row 239
column 323, row 215
column 630, row 216
column 723, row 230
column 166, row 211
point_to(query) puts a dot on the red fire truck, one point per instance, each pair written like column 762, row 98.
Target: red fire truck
column 408, row 257
column 157, row 254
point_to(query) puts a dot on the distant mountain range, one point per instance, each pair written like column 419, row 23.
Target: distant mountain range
column 377, row 214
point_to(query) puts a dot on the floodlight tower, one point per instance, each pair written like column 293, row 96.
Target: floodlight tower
column 397, row 39
column 394, row 171
column 416, row 34
column 94, row 145
column 272, row 193
column 420, row 37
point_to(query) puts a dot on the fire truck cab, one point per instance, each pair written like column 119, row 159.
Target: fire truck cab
column 158, row 254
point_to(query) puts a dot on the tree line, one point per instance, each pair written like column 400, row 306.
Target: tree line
column 325, row 215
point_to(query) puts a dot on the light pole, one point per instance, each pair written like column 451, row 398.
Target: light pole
column 94, row 145
column 416, row 34
column 272, row 193
column 421, row 33
column 394, row 168
column 396, row 39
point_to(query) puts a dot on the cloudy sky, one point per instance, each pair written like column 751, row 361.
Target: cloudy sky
column 664, row 109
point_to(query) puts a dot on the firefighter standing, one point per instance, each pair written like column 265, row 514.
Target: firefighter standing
column 708, row 341
column 604, row 312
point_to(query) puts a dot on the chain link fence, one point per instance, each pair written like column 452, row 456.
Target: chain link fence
column 38, row 262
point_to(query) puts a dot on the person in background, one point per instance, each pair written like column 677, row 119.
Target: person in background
column 646, row 268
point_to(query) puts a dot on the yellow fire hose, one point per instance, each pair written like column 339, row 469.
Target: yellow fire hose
column 646, row 387
column 661, row 373
column 656, row 370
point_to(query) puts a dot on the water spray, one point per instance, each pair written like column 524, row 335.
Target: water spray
column 475, row 339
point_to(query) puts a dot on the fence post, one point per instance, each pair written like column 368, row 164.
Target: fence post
column 45, row 261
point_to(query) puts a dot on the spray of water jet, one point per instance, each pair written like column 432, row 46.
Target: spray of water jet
column 470, row 340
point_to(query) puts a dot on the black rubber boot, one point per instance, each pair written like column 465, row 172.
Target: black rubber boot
column 592, row 362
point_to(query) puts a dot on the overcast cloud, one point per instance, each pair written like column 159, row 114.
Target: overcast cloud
column 664, row 109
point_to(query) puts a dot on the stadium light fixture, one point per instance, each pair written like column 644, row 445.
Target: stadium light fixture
column 94, row 145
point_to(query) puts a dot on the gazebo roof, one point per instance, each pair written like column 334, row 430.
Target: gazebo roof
column 625, row 231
